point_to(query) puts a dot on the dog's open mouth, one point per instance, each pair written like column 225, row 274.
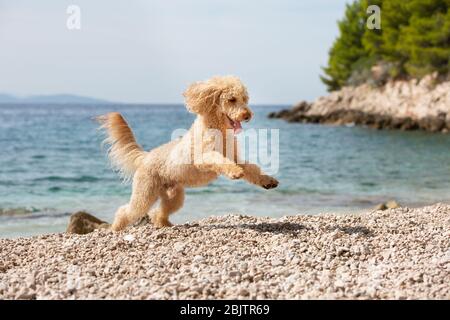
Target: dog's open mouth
column 235, row 125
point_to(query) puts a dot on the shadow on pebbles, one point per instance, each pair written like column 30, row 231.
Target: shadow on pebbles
column 398, row 254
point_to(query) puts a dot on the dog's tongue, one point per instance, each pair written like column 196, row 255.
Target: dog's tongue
column 236, row 126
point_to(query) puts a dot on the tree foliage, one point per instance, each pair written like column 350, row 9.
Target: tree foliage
column 414, row 40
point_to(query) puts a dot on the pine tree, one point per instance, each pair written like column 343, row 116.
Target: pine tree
column 347, row 49
column 425, row 41
column 414, row 38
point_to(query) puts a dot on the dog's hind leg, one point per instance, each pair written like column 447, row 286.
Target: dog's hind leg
column 171, row 200
column 142, row 198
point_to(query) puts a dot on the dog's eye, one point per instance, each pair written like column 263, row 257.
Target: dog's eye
column 232, row 100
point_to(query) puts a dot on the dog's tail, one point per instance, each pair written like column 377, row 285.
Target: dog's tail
column 124, row 152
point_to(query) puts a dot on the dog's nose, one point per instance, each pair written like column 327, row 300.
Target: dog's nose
column 247, row 116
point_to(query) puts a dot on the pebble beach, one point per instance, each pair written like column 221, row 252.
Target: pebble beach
column 392, row 254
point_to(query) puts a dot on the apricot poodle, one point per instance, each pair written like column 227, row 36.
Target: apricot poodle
column 221, row 103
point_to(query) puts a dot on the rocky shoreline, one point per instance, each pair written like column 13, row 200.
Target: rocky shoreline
column 392, row 254
column 403, row 105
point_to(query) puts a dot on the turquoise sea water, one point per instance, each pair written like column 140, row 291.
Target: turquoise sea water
column 51, row 165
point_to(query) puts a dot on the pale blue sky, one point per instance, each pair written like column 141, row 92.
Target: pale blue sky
column 149, row 51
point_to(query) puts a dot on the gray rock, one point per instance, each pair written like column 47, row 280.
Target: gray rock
column 396, row 104
column 83, row 223
column 391, row 204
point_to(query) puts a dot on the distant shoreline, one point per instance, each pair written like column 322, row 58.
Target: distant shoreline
column 155, row 104
column 55, row 98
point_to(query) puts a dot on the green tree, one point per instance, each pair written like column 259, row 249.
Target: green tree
column 414, row 38
column 347, row 48
column 372, row 40
column 425, row 41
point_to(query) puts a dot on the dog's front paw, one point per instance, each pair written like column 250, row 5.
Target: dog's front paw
column 235, row 173
column 267, row 182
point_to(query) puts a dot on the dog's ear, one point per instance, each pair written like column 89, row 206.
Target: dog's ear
column 201, row 97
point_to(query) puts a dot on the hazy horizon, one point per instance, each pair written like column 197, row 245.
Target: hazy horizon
column 149, row 51
column 58, row 98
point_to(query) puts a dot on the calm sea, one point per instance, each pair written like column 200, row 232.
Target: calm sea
column 51, row 165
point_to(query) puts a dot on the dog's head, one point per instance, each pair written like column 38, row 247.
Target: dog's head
column 223, row 99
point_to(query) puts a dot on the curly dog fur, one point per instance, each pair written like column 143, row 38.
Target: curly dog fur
column 220, row 103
